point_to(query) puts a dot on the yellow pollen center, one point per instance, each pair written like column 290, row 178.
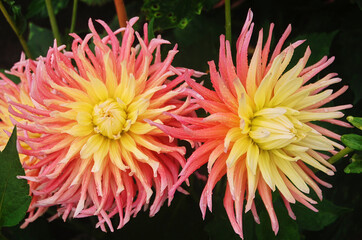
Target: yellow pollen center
column 275, row 129
column 110, row 119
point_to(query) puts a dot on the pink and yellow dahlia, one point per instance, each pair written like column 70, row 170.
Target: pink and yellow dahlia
column 261, row 132
column 18, row 94
column 96, row 153
column 9, row 91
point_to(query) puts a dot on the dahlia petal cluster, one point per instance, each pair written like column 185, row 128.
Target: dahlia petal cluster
column 10, row 91
column 17, row 94
column 85, row 125
column 261, row 132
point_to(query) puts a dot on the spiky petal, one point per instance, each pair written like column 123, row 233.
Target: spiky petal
column 259, row 132
column 97, row 155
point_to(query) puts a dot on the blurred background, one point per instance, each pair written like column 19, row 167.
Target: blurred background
column 330, row 27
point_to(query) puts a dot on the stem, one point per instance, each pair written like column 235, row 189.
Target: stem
column 121, row 13
column 228, row 20
column 16, row 30
column 74, row 16
column 53, row 21
column 340, row 155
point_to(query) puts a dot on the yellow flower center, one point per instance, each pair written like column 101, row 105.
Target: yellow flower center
column 275, row 128
column 110, row 119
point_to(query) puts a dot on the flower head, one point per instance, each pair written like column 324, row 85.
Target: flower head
column 260, row 132
column 16, row 93
column 96, row 153
column 8, row 89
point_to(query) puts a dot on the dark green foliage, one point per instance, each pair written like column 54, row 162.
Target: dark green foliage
column 37, row 8
column 14, row 199
column 353, row 141
column 356, row 165
column 171, row 14
column 356, row 121
column 96, row 2
column 317, row 221
column 288, row 228
column 38, row 38
column 15, row 12
column 319, row 44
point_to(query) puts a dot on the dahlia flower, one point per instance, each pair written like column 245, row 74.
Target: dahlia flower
column 96, row 154
column 261, row 132
column 9, row 91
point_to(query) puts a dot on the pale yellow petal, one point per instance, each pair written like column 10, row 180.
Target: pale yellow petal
column 317, row 142
column 214, row 155
column 115, row 155
column 92, row 145
column 129, row 144
column 252, row 157
column 111, row 78
column 80, row 130
column 231, row 136
column 76, row 94
column 287, row 168
column 285, row 91
column 279, row 182
column 153, row 113
column 99, row 156
column 238, row 149
column 305, row 157
column 74, row 149
column 84, row 118
column 79, row 106
column 141, row 128
column 311, row 100
column 141, row 140
column 269, row 113
column 264, row 166
column 99, row 87
column 306, row 116
column 252, row 185
column 251, row 84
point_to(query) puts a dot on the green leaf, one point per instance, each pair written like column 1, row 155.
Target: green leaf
column 319, row 43
column 356, row 165
column 171, row 14
column 40, row 39
column 355, row 121
column 326, row 215
column 353, row 141
column 95, row 2
column 199, row 42
column 348, row 58
column 288, row 228
column 14, row 199
column 37, row 8
column 15, row 12
column 220, row 228
column 217, row 223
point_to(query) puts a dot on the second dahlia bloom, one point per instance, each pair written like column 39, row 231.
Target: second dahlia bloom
column 16, row 93
column 260, row 132
column 96, row 154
